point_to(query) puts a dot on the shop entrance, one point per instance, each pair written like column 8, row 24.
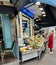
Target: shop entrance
column 26, row 28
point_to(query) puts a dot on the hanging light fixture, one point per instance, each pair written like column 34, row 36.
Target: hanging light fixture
column 37, row 20
column 41, row 9
column 38, row 3
column 43, row 12
column 44, row 15
column 35, row 25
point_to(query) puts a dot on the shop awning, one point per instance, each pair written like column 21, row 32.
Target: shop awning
column 51, row 15
column 21, row 3
column 50, row 2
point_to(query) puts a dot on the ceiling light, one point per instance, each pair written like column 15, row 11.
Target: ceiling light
column 41, row 8
column 43, row 12
column 38, row 3
column 44, row 15
column 37, row 20
column 35, row 25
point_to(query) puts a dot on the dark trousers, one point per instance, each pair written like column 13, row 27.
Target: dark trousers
column 50, row 49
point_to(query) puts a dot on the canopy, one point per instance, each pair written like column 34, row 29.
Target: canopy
column 50, row 2
column 21, row 3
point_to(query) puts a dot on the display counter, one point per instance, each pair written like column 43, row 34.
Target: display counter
column 30, row 54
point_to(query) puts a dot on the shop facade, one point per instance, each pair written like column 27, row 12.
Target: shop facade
column 19, row 30
column 8, row 35
column 25, row 24
column 29, row 47
column 9, row 40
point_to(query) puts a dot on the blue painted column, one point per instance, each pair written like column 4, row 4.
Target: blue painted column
column 7, row 34
column 16, row 51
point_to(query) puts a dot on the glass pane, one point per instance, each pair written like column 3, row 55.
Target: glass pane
column 26, row 28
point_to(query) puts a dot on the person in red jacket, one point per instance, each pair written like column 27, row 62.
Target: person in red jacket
column 51, row 41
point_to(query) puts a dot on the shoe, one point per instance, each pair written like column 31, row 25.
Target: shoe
column 51, row 52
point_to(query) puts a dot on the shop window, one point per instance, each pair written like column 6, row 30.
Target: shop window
column 26, row 29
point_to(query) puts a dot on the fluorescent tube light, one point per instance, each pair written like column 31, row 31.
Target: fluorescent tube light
column 41, row 9
column 38, row 3
column 43, row 12
column 44, row 15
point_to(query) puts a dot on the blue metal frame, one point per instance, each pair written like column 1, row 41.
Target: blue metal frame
column 27, row 12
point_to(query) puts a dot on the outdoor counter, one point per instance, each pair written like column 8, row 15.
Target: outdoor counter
column 24, row 56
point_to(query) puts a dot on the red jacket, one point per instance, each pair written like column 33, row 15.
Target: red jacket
column 50, row 41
